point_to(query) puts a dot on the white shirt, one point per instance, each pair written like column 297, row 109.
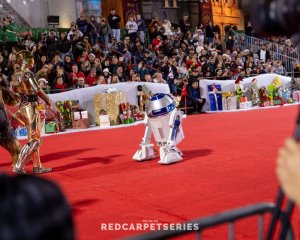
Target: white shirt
column 263, row 55
column 131, row 26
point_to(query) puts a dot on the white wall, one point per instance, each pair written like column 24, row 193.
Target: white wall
column 35, row 12
column 65, row 9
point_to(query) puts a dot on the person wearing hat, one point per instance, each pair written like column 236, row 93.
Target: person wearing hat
column 43, row 83
column 106, row 75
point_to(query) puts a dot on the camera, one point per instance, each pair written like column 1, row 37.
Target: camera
column 275, row 17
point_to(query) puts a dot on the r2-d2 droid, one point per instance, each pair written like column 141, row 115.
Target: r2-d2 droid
column 165, row 121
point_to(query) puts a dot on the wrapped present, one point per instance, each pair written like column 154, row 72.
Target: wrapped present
column 244, row 99
column 215, row 97
column 65, row 108
column 51, row 127
column 104, row 120
column 229, row 103
column 245, row 105
column 80, row 119
column 296, row 96
column 110, row 102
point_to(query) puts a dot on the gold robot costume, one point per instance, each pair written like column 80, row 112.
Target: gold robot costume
column 7, row 139
column 24, row 83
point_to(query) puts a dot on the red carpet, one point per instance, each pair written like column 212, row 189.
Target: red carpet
column 229, row 161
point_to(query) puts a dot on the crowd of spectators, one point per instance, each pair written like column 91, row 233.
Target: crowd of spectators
column 92, row 53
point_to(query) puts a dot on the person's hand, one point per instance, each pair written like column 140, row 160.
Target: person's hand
column 200, row 100
column 288, row 169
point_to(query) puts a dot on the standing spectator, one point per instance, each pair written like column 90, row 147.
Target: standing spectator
column 104, row 31
column 82, row 23
column 93, row 29
column 184, row 24
column 60, row 72
column 64, row 45
column 210, row 34
column 52, row 44
column 263, row 53
column 167, row 26
column 132, row 28
column 229, row 36
column 154, row 26
column 114, row 22
column 249, row 32
column 159, row 78
column 141, row 27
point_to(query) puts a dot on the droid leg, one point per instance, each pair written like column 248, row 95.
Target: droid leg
column 169, row 153
column 30, row 150
column 146, row 151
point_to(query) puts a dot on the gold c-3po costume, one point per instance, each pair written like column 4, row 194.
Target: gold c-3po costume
column 24, row 83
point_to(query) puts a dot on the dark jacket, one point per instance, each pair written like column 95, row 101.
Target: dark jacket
column 114, row 23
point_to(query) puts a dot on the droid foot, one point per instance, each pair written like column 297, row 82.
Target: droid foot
column 145, row 153
column 170, row 156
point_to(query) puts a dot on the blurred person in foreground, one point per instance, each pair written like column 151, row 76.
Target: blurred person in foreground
column 288, row 169
column 33, row 208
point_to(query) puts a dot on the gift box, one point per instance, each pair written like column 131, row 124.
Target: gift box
column 244, row 99
column 80, row 119
column 51, row 127
column 110, row 102
column 229, row 103
column 245, row 105
column 104, row 121
column 215, row 98
column 296, row 96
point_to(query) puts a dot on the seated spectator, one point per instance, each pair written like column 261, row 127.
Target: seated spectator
column 43, row 73
column 101, row 80
column 75, row 74
column 114, row 79
column 85, row 67
column 43, row 83
column 60, row 85
column 91, row 79
column 121, row 75
column 106, row 74
column 60, row 72
column 68, row 63
column 148, row 78
column 159, row 78
column 194, row 98
column 33, row 208
column 81, row 83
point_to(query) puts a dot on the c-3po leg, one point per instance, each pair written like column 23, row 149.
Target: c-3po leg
column 30, row 116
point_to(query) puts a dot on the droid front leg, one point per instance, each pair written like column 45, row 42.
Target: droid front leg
column 169, row 153
column 146, row 152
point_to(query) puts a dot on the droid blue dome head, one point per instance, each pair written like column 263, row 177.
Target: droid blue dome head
column 160, row 104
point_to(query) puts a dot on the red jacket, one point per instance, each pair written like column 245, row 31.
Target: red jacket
column 72, row 75
column 90, row 80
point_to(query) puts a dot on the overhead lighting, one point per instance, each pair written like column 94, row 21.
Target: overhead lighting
column 24, row 2
column 8, row 1
column 1, row 5
column 32, row 0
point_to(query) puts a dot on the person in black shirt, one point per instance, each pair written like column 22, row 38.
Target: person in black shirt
column 114, row 23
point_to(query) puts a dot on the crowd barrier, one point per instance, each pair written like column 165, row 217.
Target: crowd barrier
column 86, row 95
column 229, row 85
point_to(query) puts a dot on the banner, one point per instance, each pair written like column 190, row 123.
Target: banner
column 130, row 7
column 206, row 13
